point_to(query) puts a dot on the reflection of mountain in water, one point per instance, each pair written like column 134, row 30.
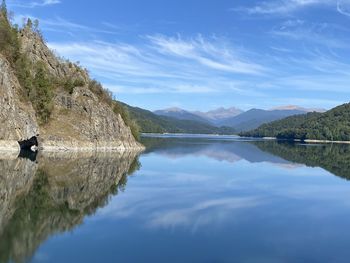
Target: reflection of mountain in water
column 334, row 158
column 54, row 195
column 221, row 150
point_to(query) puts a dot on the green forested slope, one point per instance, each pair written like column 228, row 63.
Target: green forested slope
column 332, row 125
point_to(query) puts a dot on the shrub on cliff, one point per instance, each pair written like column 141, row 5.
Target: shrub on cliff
column 104, row 94
column 33, row 78
column 124, row 113
column 9, row 43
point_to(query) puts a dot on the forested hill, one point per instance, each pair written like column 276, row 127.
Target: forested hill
column 149, row 122
column 333, row 125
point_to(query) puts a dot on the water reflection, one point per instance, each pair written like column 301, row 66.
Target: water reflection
column 334, row 158
column 221, row 150
column 213, row 200
column 53, row 194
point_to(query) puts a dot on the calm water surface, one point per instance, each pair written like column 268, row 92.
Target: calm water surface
column 215, row 199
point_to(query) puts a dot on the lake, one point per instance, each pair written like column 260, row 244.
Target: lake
column 198, row 199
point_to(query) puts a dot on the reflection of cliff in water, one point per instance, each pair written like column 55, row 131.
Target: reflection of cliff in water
column 334, row 158
column 53, row 195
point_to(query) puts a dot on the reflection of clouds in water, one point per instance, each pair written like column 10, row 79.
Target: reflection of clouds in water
column 193, row 193
column 289, row 165
column 192, row 201
column 203, row 213
column 188, row 200
column 216, row 155
column 180, row 177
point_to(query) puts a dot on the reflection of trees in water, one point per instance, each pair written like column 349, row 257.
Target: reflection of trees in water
column 57, row 194
column 334, row 158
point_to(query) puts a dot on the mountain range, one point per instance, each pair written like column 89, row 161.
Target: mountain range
column 236, row 118
column 180, row 114
column 150, row 122
column 218, row 115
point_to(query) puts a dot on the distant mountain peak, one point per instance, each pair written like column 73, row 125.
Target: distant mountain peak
column 180, row 114
column 213, row 117
column 173, row 109
column 219, row 113
column 295, row 107
column 225, row 110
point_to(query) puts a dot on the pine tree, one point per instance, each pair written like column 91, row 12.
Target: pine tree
column 4, row 9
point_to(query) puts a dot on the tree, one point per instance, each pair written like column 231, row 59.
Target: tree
column 43, row 93
column 29, row 23
column 9, row 42
column 4, row 8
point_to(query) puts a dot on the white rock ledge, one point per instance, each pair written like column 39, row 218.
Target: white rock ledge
column 76, row 146
column 12, row 147
column 9, row 146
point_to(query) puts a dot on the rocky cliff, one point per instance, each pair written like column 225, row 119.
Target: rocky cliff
column 79, row 112
column 17, row 117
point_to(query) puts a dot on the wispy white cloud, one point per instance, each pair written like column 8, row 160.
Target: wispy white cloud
column 33, row 4
column 176, row 68
column 160, row 64
column 312, row 33
column 167, row 88
column 165, row 65
column 283, row 7
column 218, row 57
column 343, row 7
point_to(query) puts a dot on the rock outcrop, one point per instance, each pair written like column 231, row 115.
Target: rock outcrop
column 80, row 119
column 80, row 122
column 17, row 116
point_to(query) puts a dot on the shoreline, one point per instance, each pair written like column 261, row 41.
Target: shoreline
column 237, row 136
column 325, row 141
column 299, row 140
column 12, row 146
column 186, row 134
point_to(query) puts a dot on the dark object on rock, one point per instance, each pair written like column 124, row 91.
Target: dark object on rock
column 27, row 144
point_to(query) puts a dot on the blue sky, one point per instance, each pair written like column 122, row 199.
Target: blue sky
column 200, row 55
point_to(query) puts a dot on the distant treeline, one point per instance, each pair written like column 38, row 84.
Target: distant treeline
column 333, row 125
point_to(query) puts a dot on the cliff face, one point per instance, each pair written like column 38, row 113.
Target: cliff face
column 81, row 121
column 80, row 118
column 17, row 117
